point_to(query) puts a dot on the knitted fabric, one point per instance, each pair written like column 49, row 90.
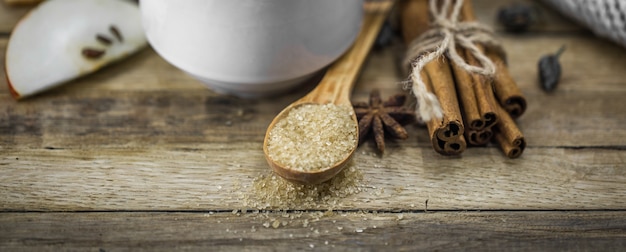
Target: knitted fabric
column 606, row 18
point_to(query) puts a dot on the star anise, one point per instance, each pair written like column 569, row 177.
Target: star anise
column 379, row 116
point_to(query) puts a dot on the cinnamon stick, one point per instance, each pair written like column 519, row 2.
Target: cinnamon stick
column 508, row 136
column 414, row 19
column 484, row 94
column 505, row 132
column 482, row 87
column 464, row 83
column 508, row 93
column 506, row 90
column 446, row 135
column 486, row 103
column 479, row 137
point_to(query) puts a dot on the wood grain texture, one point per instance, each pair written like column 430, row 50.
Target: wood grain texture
column 10, row 15
column 22, row 2
column 140, row 156
column 337, row 231
column 220, row 175
column 151, row 97
column 141, row 132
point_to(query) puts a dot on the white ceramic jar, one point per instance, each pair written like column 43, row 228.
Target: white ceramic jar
column 251, row 47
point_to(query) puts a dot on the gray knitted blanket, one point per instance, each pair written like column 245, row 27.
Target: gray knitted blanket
column 606, row 18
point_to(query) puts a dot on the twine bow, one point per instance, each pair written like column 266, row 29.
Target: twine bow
column 444, row 36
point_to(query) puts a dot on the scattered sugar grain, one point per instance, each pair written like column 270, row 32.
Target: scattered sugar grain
column 313, row 137
column 276, row 224
column 269, row 191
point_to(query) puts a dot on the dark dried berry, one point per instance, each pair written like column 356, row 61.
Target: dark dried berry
column 385, row 36
column 550, row 70
column 516, row 17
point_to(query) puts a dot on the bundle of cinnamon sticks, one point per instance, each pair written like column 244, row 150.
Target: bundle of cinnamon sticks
column 477, row 109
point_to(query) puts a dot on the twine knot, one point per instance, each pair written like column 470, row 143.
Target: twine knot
column 444, row 36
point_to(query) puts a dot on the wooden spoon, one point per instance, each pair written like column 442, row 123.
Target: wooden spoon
column 335, row 88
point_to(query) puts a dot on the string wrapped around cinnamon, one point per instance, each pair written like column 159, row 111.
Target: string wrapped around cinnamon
column 446, row 128
column 512, row 103
column 431, row 43
column 508, row 94
column 452, row 75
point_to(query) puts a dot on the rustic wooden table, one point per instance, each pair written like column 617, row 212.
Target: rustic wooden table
column 139, row 156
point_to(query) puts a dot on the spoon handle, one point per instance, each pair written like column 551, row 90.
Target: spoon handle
column 338, row 81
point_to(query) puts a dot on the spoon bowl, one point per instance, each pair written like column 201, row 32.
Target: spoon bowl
column 334, row 88
column 315, row 176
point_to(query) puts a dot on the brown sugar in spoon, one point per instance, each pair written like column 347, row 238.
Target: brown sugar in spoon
column 335, row 88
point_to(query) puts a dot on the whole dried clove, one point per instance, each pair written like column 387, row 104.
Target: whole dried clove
column 517, row 17
column 385, row 36
column 550, row 70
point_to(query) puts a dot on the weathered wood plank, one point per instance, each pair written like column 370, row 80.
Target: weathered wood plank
column 10, row 15
column 119, row 119
column 221, row 175
column 129, row 108
column 146, row 71
column 484, row 231
column 151, row 97
column 117, row 134
column 141, row 135
column 589, row 63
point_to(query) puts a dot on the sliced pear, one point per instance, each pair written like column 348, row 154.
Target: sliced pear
column 61, row 40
